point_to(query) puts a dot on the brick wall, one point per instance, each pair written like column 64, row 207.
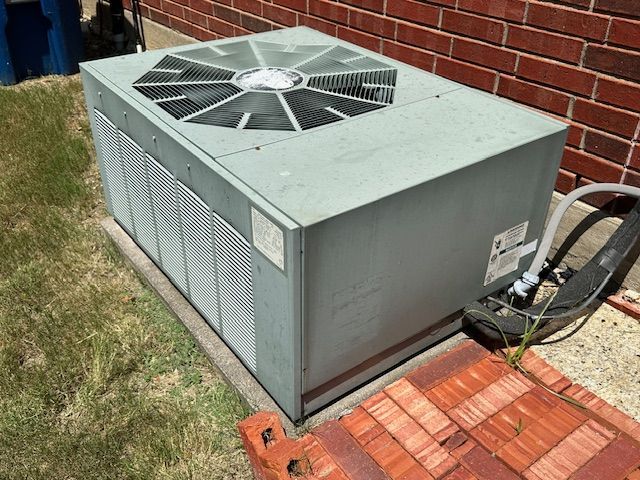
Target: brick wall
column 578, row 60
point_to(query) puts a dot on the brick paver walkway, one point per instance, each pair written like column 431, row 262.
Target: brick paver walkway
column 465, row 415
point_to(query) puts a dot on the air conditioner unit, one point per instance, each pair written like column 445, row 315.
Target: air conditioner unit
column 326, row 209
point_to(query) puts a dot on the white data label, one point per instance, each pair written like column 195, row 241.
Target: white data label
column 505, row 252
column 268, row 238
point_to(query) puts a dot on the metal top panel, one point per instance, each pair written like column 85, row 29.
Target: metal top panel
column 433, row 128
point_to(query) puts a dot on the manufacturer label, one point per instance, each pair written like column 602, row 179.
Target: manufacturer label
column 505, row 252
column 268, row 238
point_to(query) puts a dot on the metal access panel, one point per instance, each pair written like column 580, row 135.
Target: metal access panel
column 327, row 210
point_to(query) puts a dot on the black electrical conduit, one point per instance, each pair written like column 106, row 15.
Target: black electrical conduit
column 576, row 294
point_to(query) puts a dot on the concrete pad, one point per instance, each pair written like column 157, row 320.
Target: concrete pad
column 229, row 366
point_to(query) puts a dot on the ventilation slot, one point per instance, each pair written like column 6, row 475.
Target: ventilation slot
column 199, row 254
column 139, row 200
column 115, row 180
column 235, row 290
column 163, row 193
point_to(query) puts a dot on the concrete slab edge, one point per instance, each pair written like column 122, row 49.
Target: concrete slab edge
column 232, row 371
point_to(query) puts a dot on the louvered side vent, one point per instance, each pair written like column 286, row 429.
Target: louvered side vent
column 199, row 254
column 115, row 180
column 235, row 289
column 135, row 169
column 163, row 193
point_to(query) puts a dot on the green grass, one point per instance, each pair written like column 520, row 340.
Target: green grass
column 97, row 379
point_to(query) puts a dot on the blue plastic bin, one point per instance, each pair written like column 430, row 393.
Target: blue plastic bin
column 39, row 37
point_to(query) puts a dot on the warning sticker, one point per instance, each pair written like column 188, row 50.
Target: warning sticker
column 505, row 252
column 268, row 238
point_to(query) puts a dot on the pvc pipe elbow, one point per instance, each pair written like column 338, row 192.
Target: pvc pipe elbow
column 523, row 285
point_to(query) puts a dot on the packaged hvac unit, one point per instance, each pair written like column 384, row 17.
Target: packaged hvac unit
column 326, row 209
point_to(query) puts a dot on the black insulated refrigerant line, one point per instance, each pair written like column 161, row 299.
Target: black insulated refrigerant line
column 576, row 294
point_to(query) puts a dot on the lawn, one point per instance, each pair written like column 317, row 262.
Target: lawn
column 97, row 379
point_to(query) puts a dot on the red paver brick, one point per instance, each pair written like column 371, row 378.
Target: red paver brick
column 635, row 475
column 620, row 458
column 630, row 308
column 259, row 432
column 322, row 465
column 486, row 467
column 394, row 459
column 346, row 452
column 361, row 425
column 611, row 414
column 548, row 375
column 460, row 473
column 539, row 438
column 465, row 384
column 571, row 453
column 421, row 409
column 494, row 432
column 410, row 435
column 276, row 460
column 476, row 409
column 463, row 449
column 447, row 364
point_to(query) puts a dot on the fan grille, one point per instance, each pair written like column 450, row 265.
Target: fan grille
column 208, row 85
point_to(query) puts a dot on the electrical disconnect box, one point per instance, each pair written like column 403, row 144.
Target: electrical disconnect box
column 326, row 209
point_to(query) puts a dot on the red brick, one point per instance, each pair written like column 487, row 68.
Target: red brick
column 504, row 9
column 603, row 201
column 283, row 16
column 223, row 28
column 204, row 6
column 615, row 61
column 411, row 55
column 540, row 437
column 227, row 14
column 466, row 73
column 180, row 25
column 448, row 364
column 346, row 452
column 545, row 43
column 372, row 23
column 484, row 54
column 202, row 34
column 607, row 146
column 625, row 32
column 361, row 426
column 424, row 37
column 566, row 181
column 276, row 460
column 317, row 24
column 300, row 5
column 322, row 464
column 393, row 459
column 605, row 118
column 591, row 166
column 544, row 372
column 258, row 433
column 533, row 95
column 635, row 156
column 626, row 7
column 620, row 458
column 420, row 409
column 472, row 26
column 413, row 438
column 173, row 9
column 414, row 11
column 556, row 75
column 463, row 385
column 250, row 6
column 329, row 11
column 618, row 301
column 446, row 3
column 496, row 431
column 196, row 18
column 485, row 467
column 567, row 20
column 571, row 453
column 359, row 38
column 375, row 5
column 460, row 473
column 254, row 24
column 635, row 475
column 471, row 412
column 576, row 132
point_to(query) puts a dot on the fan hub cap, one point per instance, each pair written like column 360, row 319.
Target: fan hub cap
column 269, row 78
